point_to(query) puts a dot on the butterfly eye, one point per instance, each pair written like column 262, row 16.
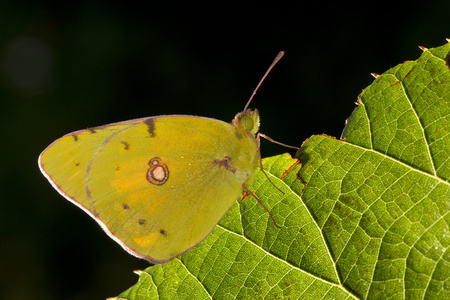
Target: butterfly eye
column 247, row 123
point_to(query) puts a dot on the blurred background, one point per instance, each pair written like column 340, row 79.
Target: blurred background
column 67, row 65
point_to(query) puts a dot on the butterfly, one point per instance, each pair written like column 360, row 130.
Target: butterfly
column 157, row 185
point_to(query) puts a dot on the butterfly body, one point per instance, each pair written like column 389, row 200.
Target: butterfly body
column 156, row 185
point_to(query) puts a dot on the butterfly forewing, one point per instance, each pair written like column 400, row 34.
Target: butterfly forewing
column 156, row 185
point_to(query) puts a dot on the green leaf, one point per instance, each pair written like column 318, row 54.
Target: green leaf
column 382, row 196
column 372, row 221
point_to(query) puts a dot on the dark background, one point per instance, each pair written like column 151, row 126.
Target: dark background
column 66, row 66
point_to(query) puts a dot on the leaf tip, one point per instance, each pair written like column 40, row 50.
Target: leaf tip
column 138, row 272
column 448, row 40
column 423, row 48
column 375, row 75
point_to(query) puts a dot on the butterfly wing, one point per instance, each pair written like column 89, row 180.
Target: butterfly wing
column 158, row 185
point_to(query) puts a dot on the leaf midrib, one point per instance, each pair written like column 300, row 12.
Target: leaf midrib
column 338, row 285
column 437, row 178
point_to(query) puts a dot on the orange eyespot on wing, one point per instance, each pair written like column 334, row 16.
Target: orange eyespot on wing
column 158, row 173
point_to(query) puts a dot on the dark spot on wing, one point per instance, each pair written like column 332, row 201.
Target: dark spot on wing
column 126, row 145
column 150, row 122
column 141, row 221
column 75, row 137
column 77, row 164
column 226, row 163
column 163, row 232
column 91, row 130
column 125, row 206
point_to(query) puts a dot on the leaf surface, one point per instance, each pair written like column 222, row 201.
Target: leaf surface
column 372, row 221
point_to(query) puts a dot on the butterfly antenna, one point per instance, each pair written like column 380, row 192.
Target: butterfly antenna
column 277, row 58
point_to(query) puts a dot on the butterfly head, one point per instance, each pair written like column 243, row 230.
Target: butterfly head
column 247, row 120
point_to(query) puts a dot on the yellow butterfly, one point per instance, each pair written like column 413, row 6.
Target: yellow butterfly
column 157, row 185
